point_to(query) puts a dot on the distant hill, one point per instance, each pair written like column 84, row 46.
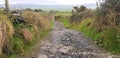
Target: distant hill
column 48, row 7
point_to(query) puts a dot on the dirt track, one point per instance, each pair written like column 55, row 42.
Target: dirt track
column 66, row 43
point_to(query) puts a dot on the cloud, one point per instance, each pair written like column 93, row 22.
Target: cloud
column 51, row 2
column 10, row 2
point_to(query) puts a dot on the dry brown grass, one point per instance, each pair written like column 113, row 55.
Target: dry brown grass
column 36, row 19
column 27, row 35
column 35, row 29
column 6, row 32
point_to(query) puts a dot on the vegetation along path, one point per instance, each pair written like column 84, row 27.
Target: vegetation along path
column 65, row 43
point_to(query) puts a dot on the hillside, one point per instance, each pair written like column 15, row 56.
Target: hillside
column 48, row 7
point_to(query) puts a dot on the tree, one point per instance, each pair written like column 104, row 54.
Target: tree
column 108, row 13
column 7, row 6
column 38, row 10
column 82, row 8
column 80, row 13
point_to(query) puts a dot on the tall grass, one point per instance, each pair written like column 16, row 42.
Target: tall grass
column 36, row 19
column 6, row 32
column 27, row 35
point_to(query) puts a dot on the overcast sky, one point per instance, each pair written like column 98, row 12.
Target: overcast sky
column 51, row 2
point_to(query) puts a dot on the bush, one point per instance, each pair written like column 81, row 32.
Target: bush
column 80, row 14
column 108, row 22
column 108, row 14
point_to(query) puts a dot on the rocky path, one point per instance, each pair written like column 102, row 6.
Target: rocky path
column 65, row 43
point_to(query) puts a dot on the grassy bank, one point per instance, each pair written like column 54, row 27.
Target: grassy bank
column 20, row 37
column 21, row 47
column 106, row 39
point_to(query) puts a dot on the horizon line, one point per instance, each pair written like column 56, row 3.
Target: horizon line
column 46, row 4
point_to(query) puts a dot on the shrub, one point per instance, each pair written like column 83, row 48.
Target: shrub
column 81, row 13
column 108, row 21
column 108, row 14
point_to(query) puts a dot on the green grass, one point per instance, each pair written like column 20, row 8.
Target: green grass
column 33, row 45
column 63, row 13
column 108, row 36
column 65, row 22
column 20, row 46
column 51, row 23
